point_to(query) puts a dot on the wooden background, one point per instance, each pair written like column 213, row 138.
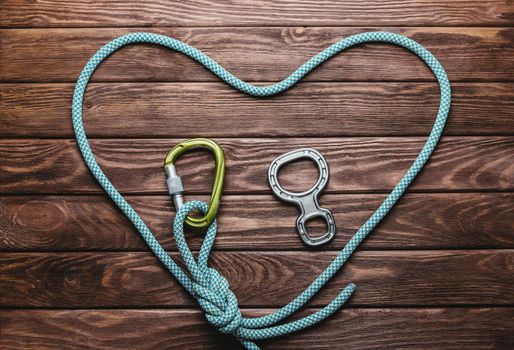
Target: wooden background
column 438, row 273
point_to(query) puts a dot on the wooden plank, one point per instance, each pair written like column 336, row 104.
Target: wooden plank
column 53, row 13
column 468, row 54
column 358, row 329
column 383, row 278
column 215, row 110
column 420, row 221
column 356, row 165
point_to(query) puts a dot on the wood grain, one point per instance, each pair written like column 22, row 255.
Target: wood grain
column 435, row 274
column 356, row 164
column 467, row 54
column 384, row 278
column 53, row 13
column 358, row 329
column 420, row 221
column 215, row 110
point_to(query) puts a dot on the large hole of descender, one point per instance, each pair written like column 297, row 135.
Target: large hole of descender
column 298, row 176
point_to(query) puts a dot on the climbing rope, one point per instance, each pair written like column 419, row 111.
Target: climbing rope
column 204, row 283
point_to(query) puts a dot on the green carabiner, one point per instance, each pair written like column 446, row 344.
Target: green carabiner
column 174, row 181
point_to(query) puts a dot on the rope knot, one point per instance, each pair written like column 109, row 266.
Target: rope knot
column 218, row 302
column 209, row 288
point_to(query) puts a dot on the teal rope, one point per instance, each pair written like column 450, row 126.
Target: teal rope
column 205, row 284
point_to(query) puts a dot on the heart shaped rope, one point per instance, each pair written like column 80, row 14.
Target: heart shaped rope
column 204, row 283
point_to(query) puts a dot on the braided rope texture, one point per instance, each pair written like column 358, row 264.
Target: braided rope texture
column 204, row 283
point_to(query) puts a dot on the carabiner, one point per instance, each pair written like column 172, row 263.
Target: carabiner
column 174, row 181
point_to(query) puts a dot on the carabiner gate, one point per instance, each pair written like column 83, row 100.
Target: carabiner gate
column 174, row 182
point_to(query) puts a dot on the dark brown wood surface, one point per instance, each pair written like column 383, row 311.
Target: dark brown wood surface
column 467, row 54
column 135, row 166
column 437, row 273
column 247, row 12
column 420, row 221
column 404, row 328
column 383, row 278
column 347, row 109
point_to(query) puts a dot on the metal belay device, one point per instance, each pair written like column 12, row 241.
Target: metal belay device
column 306, row 201
column 199, row 279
